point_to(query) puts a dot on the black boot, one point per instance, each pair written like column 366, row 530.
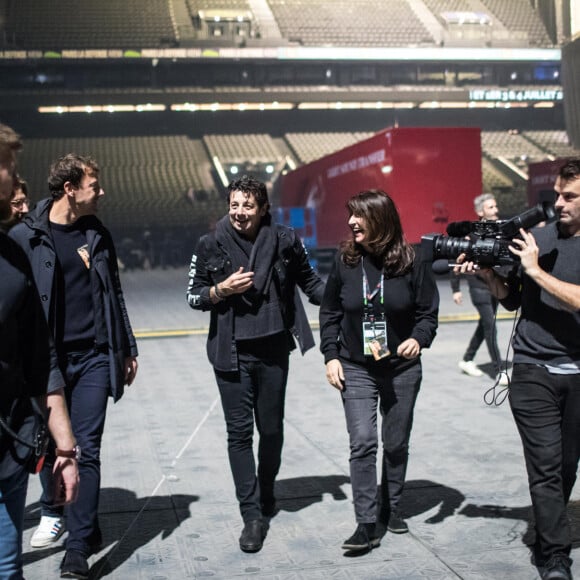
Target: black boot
column 252, row 536
column 364, row 538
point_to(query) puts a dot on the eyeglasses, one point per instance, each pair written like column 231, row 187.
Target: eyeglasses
column 20, row 202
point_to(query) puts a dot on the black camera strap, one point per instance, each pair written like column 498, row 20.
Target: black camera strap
column 40, row 438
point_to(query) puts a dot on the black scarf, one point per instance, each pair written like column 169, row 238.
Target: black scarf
column 257, row 311
column 257, row 256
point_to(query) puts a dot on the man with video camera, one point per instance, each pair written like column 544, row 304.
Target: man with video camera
column 545, row 385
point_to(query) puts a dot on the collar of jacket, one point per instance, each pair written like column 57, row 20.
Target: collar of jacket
column 38, row 218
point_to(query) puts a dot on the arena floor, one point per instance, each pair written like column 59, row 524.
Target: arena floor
column 168, row 509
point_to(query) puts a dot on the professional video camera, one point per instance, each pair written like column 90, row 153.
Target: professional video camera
column 484, row 242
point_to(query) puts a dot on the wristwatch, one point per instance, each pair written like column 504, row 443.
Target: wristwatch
column 74, row 453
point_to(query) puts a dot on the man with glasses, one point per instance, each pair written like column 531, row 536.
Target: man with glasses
column 19, row 204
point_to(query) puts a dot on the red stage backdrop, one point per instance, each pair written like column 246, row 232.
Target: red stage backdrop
column 432, row 174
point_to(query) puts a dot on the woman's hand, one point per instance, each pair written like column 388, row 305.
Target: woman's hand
column 409, row 349
column 334, row 374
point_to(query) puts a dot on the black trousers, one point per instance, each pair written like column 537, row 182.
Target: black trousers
column 546, row 408
column 256, row 392
column 87, row 389
column 486, row 306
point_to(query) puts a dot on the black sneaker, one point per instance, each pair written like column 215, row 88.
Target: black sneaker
column 557, row 568
column 364, row 538
column 74, row 565
column 397, row 525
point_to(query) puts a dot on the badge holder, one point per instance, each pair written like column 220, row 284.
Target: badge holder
column 375, row 338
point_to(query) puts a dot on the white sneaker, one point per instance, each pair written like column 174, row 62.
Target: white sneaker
column 470, row 368
column 503, row 379
column 48, row 532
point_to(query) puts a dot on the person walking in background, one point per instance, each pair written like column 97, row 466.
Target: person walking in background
column 75, row 267
column 545, row 385
column 246, row 274
column 486, row 208
column 379, row 311
column 28, row 369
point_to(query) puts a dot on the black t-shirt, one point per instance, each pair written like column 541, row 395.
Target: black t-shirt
column 74, row 315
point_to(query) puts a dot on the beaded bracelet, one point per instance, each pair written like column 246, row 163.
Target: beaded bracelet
column 217, row 292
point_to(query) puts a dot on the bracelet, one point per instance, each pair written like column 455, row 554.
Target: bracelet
column 217, row 292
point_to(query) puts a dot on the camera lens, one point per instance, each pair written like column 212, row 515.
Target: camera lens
column 450, row 248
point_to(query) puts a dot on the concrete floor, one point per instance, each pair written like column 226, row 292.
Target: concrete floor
column 168, row 509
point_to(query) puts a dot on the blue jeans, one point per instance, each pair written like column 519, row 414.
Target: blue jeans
column 486, row 306
column 257, row 390
column 87, row 380
column 12, row 502
column 397, row 392
column 546, row 409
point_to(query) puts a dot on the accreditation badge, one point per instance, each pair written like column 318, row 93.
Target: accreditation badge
column 375, row 338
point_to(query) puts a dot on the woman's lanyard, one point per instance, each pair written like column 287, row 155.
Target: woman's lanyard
column 368, row 295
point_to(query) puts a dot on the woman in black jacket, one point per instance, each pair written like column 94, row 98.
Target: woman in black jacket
column 246, row 273
column 378, row 312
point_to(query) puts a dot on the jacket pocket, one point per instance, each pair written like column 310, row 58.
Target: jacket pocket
column 215, row 265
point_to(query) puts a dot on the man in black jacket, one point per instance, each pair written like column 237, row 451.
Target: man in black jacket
column 246, row 274
column 75, row 267
column 28, row 368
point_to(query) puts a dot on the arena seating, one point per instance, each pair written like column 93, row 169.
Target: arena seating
column 511, row 145
column 251, row 147
column 554, row 142
column 349, row 22
column 135, row 24
column 83, row 24
column 311, row 146
column 148, row 179
column 518, row 15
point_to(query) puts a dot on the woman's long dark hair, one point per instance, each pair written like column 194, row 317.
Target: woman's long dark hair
column 385, row 233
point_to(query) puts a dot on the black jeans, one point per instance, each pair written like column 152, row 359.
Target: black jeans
column 546, row 408
column 257, row 391
column 397, row 391
column 87, row 378
column 486, row 306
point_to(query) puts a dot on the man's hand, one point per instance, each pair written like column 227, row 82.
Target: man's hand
column 65, row 480
column 458, row 298
column 131, row 366
column 527, row 251
column 463, row 266
column 496, row 284
column 335, row 374
column 236, row 283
